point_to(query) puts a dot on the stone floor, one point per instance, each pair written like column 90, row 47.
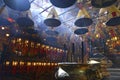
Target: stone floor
column 114, row 75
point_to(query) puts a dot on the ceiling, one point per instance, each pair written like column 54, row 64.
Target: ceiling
column 43, row 9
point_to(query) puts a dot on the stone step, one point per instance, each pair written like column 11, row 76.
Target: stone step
column 113, row 69
column 115, row 73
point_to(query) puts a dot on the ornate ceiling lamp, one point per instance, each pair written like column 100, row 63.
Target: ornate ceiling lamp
column 63, row 3
column 102, row 3
column 113, row 15
column 83, row 17
column 52, row 19
column 19, row 5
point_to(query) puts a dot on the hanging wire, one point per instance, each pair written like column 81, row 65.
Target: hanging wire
column 32, row 1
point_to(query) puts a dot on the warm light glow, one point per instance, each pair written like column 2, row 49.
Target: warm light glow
column 97, row 36
column 115, row 38
column 28, row 63
column 7, row 35
column 13, row 41
column 34, row 64
column 48, row 64
column 19, row 39
column 61, row 50
column 55, row 48
column 58, row 49
column 7, row 63
column 55, row 64
column 32, row 44
column 44, row 64
column 118, row 42
column 3, row 28
column 108, row 40
column 14, row 63
column 26, row 41
column 81, row 71
column 22, row 63
column 38, row 44
column 52, row 64
column 39, row 63
column 43, row 46
column 47, row 47
column 104, row 23
column 93, row 62
column 106, row 43
column 106, row 12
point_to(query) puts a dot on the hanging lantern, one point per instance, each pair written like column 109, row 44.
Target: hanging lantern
column 52, row 19
column 63, row 3
column 102, row 3
column 83, row 18
column 19, row 5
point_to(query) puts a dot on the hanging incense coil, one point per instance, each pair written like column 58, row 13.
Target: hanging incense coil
column 52, row 19
column 19, row 5
column 52, row 22
column 102, row 3
column 83, row 18
column 81, row 31
column 113, row 21
column 83, row 22
column 63, row 3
